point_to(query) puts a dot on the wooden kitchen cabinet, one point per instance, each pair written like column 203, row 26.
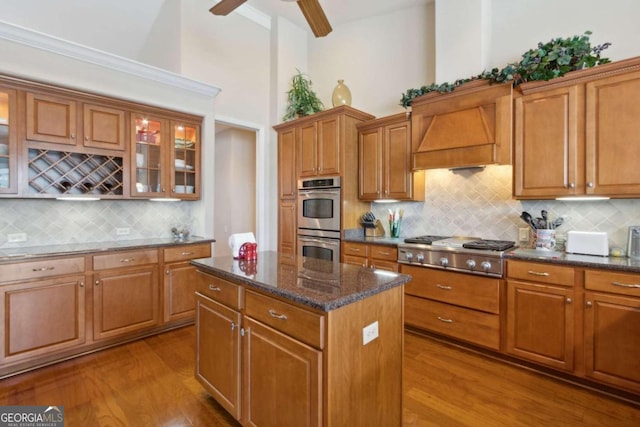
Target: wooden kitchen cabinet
column 318, row 148
column 470, row 126
column 184, row 162
column 130, row 276
column 612, row 322
column 65, row 120
column 42, row 307
column 149, row 174
column 575, row 136
column 288, row 193
column 540, row 313
column 218, row 351
column 8, row 141
column 384, row 166
column 179, row 283
column 381, row 257
column 462, row 306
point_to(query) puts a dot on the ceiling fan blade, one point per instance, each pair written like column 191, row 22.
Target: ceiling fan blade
column 225, row 7
column 315, row 16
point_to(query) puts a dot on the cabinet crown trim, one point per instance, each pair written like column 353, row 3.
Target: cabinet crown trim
column 47, row 43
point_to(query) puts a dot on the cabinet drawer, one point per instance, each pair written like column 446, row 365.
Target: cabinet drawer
column 357, row 249
column 301, row 324
column 41, row 268
column 387, row 253
column 540, row 272
column 187, row 252
column 480, row 293
column 219, row 290
column 462, row 323
column 125, row 259
column 617, row 283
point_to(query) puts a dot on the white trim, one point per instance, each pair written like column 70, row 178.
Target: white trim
column 261, row 171
column 90, row 55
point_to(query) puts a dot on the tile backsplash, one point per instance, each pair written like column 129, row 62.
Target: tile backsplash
column 52, row 222
column 479, row 203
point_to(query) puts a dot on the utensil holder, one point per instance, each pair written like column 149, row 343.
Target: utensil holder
column 394, row 228
column 373, row 229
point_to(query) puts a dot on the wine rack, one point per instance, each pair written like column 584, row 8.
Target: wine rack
column 59, row 172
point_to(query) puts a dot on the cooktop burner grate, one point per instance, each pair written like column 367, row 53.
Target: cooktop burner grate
column 425, row 240
column 489, row 245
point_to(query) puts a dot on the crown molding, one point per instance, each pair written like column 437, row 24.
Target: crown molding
column 48, row 43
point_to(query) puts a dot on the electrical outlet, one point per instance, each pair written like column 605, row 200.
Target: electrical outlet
column 124, row 231
column 17, row 237
column 523, row 235
column 369, row 333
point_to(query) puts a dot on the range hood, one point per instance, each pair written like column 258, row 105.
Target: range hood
column 468, row 127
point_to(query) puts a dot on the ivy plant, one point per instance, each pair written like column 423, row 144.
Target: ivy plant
column 547, row 61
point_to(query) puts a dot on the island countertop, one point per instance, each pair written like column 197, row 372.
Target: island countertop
column 319, row 284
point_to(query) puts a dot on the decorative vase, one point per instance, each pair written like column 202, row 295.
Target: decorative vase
column 341, row 95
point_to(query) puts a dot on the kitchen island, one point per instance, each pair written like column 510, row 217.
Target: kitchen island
column 316, row 343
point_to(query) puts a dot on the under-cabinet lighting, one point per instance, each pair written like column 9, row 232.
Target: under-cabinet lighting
column 164, row 199
column 77, row 199
column 386, row 201
column 581, row 198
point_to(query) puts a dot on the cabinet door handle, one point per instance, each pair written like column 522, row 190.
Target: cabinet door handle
column 590, row 184
column 233, row 326
column 445, row 320
column 626, row 285
column 43, row 269
column 538, row 273
column 126, row 259
column 86, row 138
column 82, row 284
column 569, row 300
column 97, row 282
column 273, row 313
column 589, row 304
column 572, row 185
column 214, row 288
column 445, row 287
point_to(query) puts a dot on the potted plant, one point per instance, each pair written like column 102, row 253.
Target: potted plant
column 302, row 100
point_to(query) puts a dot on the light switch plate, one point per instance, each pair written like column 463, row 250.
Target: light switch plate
column 369, row 333
column 124, row 231
column 17, row 237
column 523, row 234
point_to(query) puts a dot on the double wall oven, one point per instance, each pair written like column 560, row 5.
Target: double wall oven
column 319, row 201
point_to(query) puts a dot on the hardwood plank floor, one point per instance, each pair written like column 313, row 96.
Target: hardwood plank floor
column 150, row 383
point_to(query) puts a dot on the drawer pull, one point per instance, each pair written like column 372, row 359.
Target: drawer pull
column 384, row 253
column 442, row 319
column 126, row 259
column 43, row 269
column 626, row 285
column 214, row 288
column 276, row 315
column 538, row 273
column 445, row 287
column 354, row 249
column 187, row 253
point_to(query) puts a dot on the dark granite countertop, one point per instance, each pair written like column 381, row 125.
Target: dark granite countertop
column 590, row 261
column 357, row 236
column 319, row 284
column 35, row 252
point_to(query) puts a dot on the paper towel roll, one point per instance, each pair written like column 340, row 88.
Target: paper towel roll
column 238, row 239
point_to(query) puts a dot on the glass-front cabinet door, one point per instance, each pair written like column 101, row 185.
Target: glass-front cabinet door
column 148, row 162
column 8, row 146
column 185, row 179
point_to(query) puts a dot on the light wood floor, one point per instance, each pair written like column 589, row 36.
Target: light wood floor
column 150, row 383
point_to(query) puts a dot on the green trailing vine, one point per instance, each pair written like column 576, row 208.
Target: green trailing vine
column 547, row 61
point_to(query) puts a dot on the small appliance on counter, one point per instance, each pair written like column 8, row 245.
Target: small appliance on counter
column 237, row 240
column 372, row 226
column 633, row 244
column 588, row 243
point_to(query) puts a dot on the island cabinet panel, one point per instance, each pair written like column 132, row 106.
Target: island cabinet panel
column 282, row 379
column 218, row 352
column 379, row 257
column 41, row 317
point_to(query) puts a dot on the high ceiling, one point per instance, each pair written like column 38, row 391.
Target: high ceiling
column 337, row 11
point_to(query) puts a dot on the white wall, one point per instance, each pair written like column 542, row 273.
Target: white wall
column 378, row 58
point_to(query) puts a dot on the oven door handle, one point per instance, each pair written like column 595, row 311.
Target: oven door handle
column 308, row 193
column 321, row 241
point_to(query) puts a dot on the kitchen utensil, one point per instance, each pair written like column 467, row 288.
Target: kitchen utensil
column 526, row 217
